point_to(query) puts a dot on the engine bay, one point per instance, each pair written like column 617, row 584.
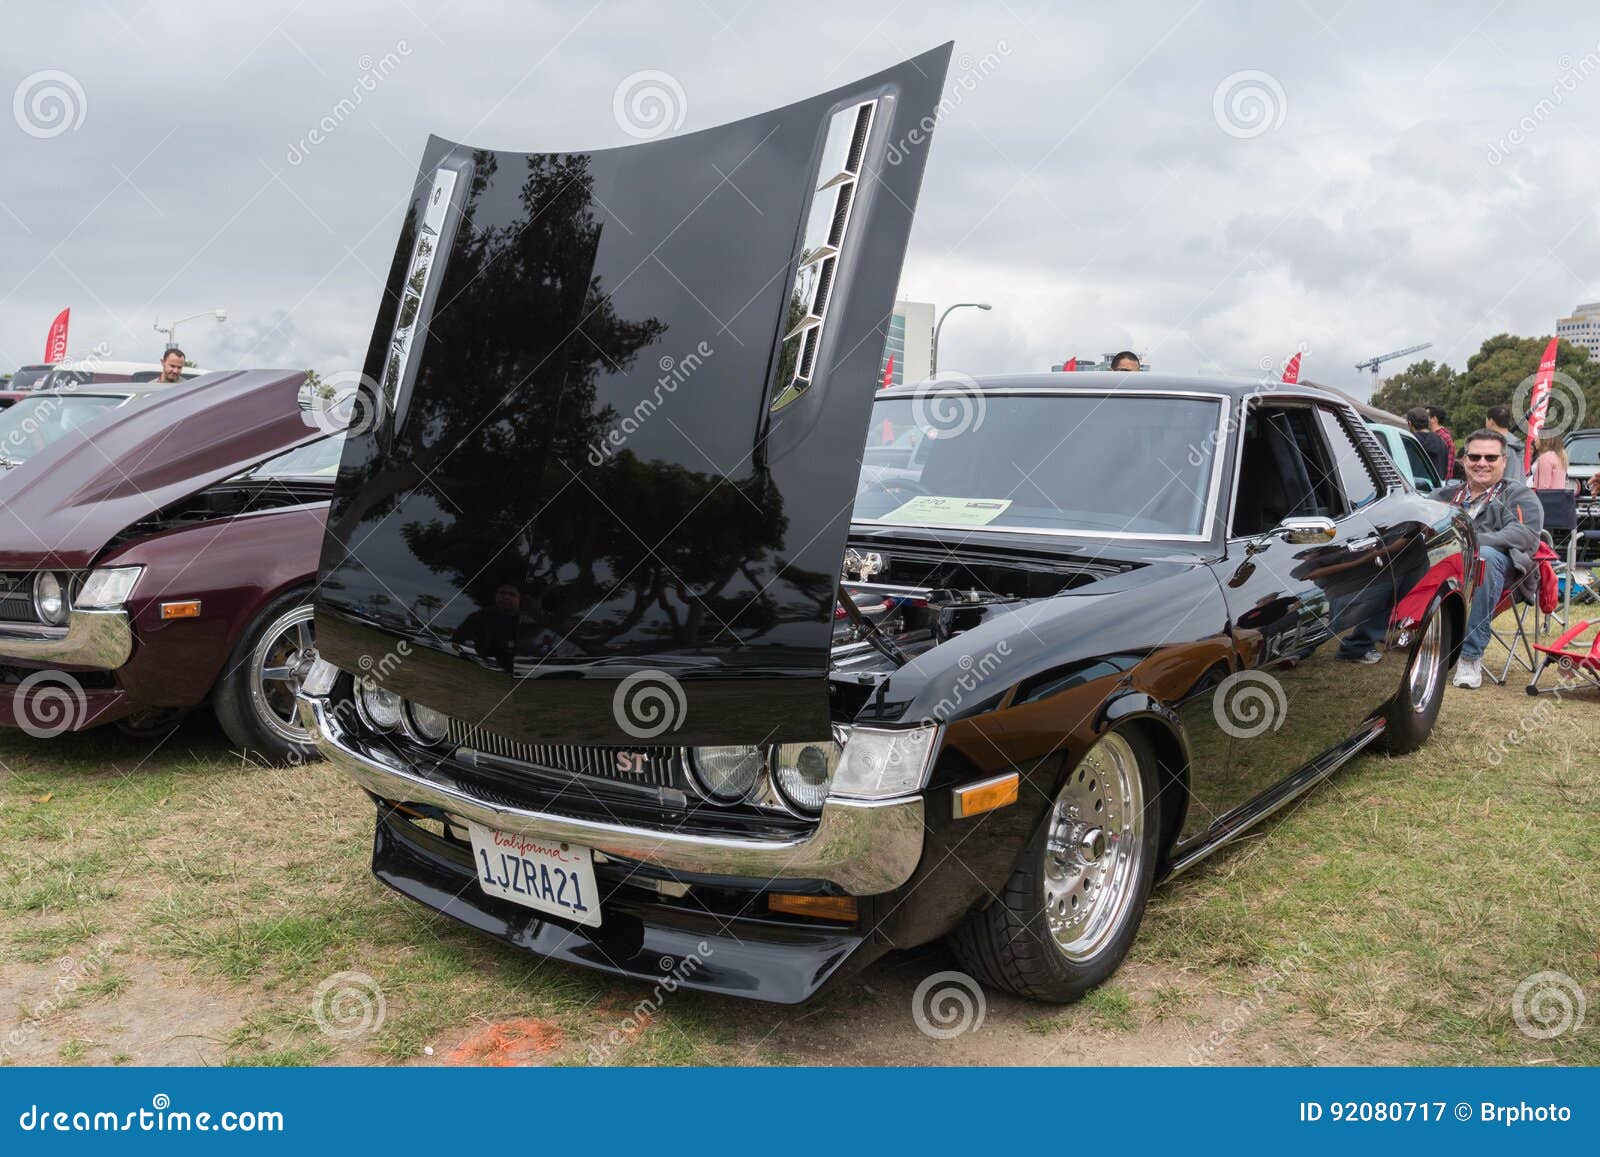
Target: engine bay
column 894, row 605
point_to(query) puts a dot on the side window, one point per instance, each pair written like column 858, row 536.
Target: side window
column 1355, row 476
column 1284, row 470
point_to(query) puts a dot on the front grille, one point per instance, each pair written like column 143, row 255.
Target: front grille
column 647, row 766
column 16, row 598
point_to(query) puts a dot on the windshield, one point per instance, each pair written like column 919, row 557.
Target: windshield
column 319, row 459
column 34, row 423
column 1584, row 451
column 1078, row 464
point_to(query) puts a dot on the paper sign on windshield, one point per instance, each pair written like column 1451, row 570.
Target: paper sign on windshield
column 932, row 508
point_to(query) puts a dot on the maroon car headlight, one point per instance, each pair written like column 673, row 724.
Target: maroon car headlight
column 108, row 588
column 50, row 599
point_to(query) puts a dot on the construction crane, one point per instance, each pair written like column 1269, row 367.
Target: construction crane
column 1373, row 363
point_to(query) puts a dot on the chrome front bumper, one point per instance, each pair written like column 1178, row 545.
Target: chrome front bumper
column 864, row 848
column 102, row 639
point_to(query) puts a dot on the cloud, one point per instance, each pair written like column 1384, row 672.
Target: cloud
column 1084, row 185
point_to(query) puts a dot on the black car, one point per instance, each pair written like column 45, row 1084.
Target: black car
column 646, row 671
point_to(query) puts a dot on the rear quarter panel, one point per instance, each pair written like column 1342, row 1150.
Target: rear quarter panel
column 234, row 568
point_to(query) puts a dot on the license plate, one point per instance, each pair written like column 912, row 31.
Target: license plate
column 546, row 875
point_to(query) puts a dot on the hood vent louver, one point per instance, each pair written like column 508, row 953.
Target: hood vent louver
column 826, row 233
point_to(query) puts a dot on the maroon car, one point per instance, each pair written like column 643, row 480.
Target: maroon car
column 161, row 557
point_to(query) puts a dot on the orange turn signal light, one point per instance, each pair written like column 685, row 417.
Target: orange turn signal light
column 820, row 907
column 187, row 609
column 985, row 795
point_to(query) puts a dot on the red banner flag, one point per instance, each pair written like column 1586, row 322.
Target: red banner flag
column 888, row 374
column 1072, row 364
column 1291, row 372
column 1539, row 403
column 55, row 346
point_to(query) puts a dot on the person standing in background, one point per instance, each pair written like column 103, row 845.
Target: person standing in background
column 1436, row 424
column 172, row 363
column 1432, row 444
column 1498, row 419
column 1549, row 464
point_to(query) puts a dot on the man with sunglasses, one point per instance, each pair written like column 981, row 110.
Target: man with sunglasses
column 1508, row 518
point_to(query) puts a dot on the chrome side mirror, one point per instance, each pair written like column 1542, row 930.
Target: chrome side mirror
column 1307, row 531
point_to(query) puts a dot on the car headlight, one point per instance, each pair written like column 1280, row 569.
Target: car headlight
column 108, row 588
column 49, row 599
column 382, row 709
column 878, row 764
column 802, row 773
column 726, row 774
column 426, row 724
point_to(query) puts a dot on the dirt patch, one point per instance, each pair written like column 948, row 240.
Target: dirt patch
column 159, row 1015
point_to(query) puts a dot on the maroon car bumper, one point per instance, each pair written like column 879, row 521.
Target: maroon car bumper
column 48, row 703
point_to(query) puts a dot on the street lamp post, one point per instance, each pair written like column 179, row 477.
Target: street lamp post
column 172, row 330
column 933, row 367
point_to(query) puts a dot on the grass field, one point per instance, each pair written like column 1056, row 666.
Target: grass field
column 183, row 907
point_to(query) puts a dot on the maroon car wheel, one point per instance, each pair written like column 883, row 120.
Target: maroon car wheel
column 255, row 699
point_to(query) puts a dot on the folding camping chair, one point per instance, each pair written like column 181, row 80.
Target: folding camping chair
column 1574, row 662
column 1521, row 640
column 1561, row 526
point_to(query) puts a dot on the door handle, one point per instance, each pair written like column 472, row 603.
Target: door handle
column 1362, row 543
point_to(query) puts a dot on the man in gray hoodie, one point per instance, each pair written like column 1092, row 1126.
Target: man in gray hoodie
column 1508, row 518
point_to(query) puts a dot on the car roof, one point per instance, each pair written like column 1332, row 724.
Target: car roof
column 97, row 366
column 1101, row 381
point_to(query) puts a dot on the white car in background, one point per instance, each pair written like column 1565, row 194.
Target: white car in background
column 1408, row 455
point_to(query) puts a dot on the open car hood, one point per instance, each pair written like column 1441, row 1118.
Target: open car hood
column 60, row 507
column 602, row 462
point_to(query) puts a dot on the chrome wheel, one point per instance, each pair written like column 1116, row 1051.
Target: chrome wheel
column 1427, row 666
column 277, row 664
column 1095, row 849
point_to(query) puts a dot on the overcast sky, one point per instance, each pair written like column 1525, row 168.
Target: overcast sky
column 1212, row 183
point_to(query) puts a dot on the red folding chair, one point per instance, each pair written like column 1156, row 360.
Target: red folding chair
column 1573, row 662
column 1521, row 641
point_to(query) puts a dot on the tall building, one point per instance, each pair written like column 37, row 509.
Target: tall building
column 1582, row 328
column 910, row 342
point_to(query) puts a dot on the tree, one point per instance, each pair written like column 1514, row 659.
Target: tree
column 1499, row 374
column 1421, row 383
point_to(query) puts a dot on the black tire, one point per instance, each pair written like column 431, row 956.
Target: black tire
column 257, row 713
column 1011, row 943
column 1415, row 706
